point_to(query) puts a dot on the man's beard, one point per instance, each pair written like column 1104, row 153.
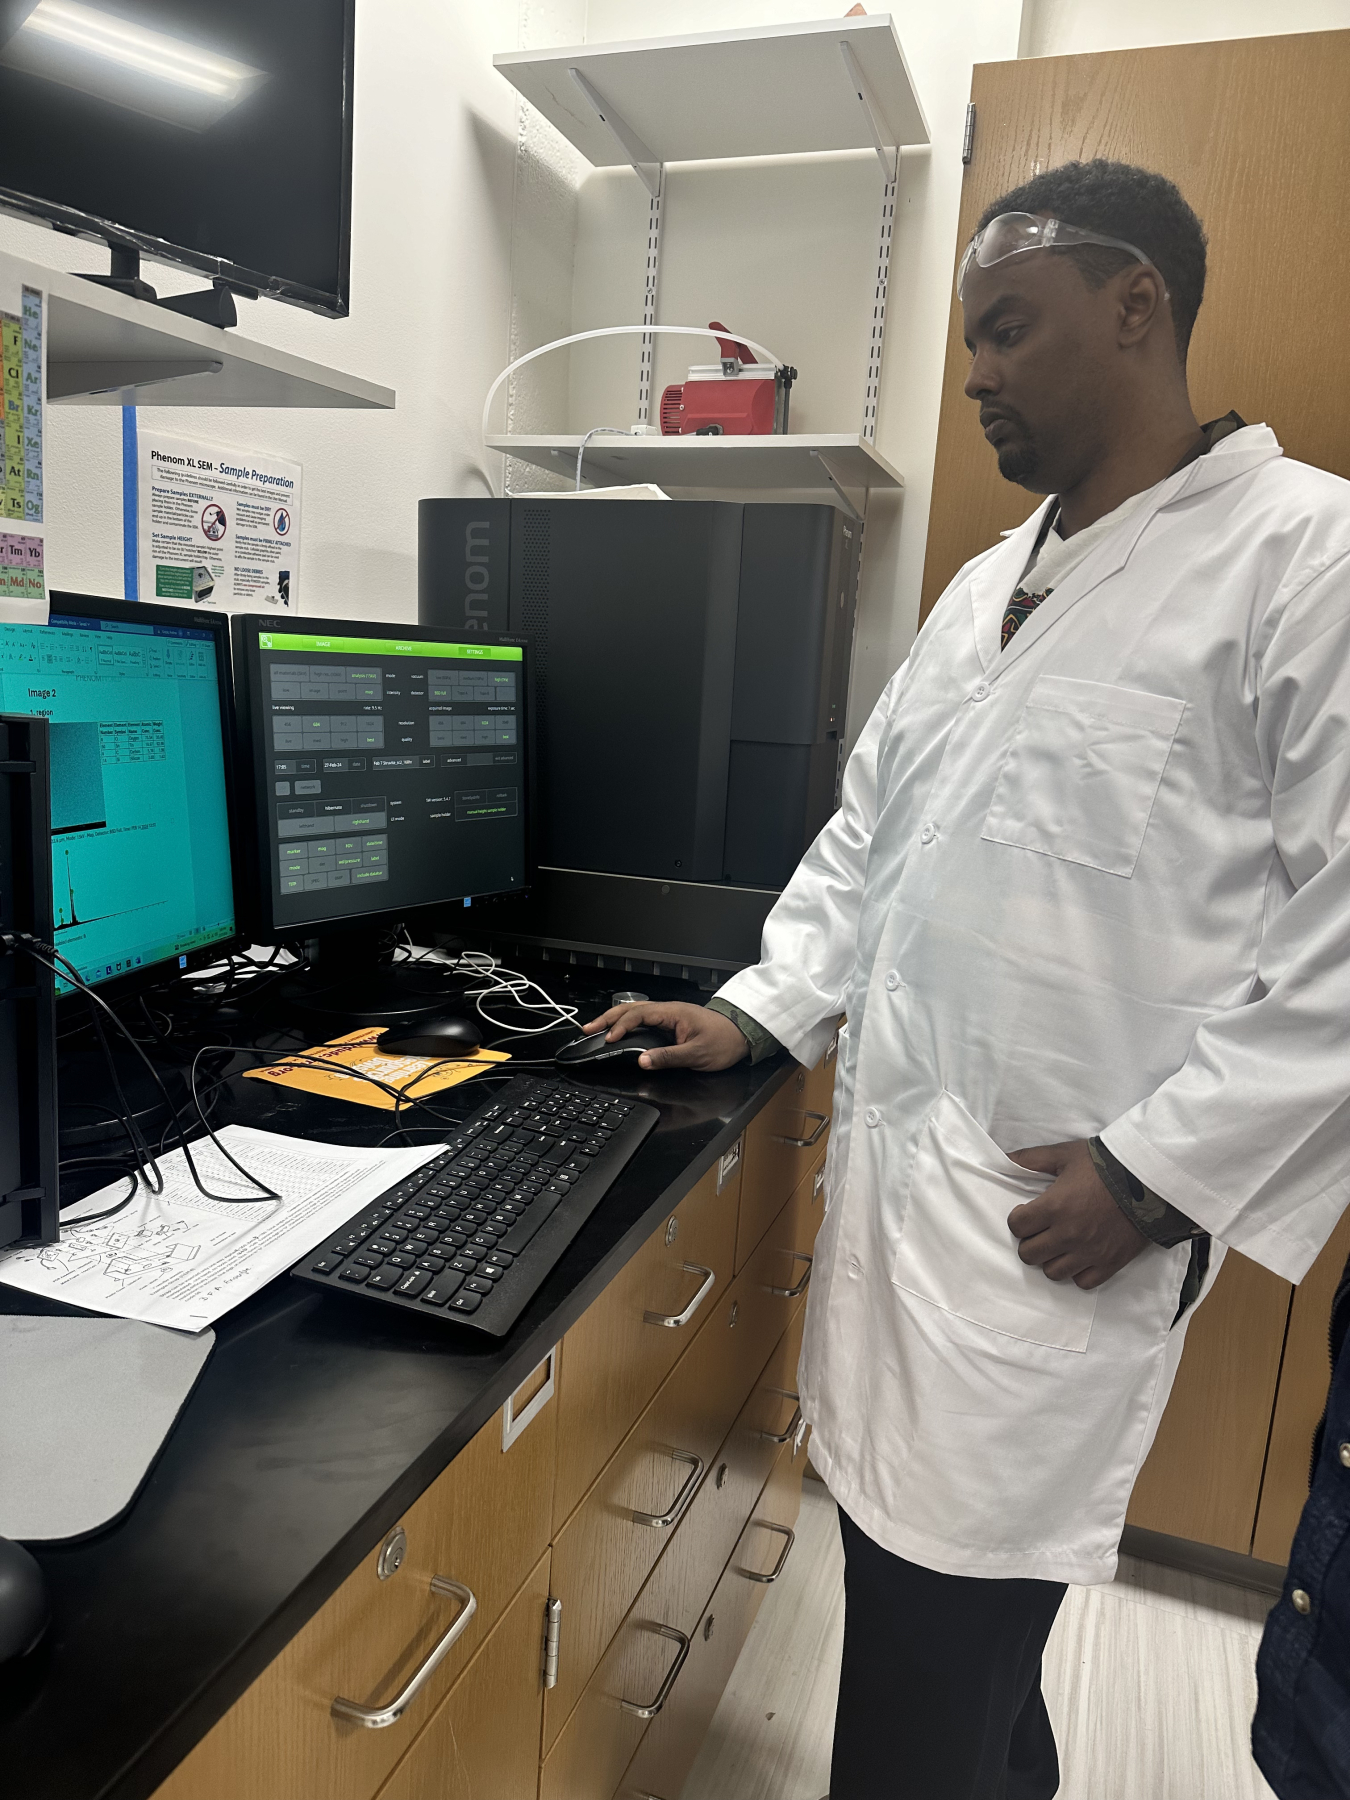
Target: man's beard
column 1019, row 460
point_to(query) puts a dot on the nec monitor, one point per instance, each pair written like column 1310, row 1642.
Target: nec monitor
column 138, row 703
column 389, row 769
column 212, row 133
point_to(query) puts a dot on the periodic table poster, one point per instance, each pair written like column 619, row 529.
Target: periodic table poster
column 23, row 589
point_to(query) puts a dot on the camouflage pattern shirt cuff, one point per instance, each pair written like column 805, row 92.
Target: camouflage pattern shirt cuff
column 1156, row 1218
column 762, row 1043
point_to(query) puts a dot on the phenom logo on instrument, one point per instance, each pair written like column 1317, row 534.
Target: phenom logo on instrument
column 477, row 536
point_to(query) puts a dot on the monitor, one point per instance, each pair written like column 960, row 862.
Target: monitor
column 213, row 133
column 388, row 768
column 138, row 703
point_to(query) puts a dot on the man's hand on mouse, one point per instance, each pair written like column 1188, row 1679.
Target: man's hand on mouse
column 704, row 1040
column 1074, row 1231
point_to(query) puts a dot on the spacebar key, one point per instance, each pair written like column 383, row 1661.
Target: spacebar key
column 524, row 1229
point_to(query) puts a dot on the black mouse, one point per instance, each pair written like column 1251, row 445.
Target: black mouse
column 24, row 1608
column 450, row 1035
column 597, row 1047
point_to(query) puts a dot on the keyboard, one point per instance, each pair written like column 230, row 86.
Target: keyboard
column 470, row 1235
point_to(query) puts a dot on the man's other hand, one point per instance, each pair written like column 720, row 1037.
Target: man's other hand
column 703, row 1039
column 1074, row 1231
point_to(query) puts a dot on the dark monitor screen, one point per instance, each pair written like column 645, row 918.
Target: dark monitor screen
column 389, row 770
column 138, row 702
column 216, row 133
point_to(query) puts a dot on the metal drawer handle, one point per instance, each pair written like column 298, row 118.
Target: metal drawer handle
column 663, row 1692
column 805, row 1282
column 791, row 1537
column 675, row 1320
column 809, row 1143
column 660, row 1520
column 781, row 1437
column 375, row 1718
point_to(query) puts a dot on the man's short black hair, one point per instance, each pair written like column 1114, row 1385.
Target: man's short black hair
column 1122, row 201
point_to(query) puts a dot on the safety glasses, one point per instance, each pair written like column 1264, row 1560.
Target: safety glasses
column 1012, row 233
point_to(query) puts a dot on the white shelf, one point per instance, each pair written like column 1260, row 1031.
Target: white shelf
column 105, row 349
column 793, row 460
column 771, row 91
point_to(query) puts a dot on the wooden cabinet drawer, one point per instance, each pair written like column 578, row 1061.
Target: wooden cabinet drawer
column 483, row 1523
column 771, row 1286
column 603, row 1554
column 781, row 1142
column 667, row 1751
column 482, row 1743
column 587, row 1755
column 613, row 1359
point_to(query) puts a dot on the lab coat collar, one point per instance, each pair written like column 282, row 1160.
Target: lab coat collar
column 993, row 582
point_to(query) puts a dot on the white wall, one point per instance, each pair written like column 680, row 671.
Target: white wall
column 1074, row 27
column 462, row 234
column 785, row 252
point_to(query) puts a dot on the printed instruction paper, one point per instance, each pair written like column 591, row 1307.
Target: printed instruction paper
column 23, row 366
column 180, row 1260
column 216, row 527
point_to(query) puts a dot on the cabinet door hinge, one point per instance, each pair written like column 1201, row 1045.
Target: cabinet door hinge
column 552, row 1637
column 968, row 136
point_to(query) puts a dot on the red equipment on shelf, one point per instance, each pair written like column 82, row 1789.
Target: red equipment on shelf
column 738, row 396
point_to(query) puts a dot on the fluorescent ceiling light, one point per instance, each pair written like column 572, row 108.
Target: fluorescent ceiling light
column 131, row 65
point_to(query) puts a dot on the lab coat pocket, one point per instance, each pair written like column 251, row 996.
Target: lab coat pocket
column 1082, row 772
column 955, row 1246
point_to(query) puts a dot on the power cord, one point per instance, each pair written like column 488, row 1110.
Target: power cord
column 51, row 958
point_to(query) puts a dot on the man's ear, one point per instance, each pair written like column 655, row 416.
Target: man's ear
column 1143, row 303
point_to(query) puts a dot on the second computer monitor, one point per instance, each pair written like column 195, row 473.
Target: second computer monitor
column 389, row 769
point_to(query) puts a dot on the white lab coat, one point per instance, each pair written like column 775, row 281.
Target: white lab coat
column 1098, row 883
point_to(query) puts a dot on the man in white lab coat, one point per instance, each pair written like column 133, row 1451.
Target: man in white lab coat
column 1088, row 891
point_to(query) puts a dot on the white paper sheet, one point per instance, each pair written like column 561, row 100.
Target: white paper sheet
column 176, row 1259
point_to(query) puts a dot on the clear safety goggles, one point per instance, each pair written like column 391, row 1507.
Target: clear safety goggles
column 1012, row 233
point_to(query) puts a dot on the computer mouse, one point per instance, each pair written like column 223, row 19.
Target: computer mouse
column 450, row 1035
column 24, row 1608
column 597, row 1047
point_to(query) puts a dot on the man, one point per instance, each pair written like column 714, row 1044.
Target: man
column 1086, row 904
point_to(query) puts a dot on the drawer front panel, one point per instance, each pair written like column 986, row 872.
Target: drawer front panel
column 603, row 1554
column 668, row 1749
column 614, row 1359
column 483, row 1741
column 772, row 1285
column 781, row 1142
column 484, row 1523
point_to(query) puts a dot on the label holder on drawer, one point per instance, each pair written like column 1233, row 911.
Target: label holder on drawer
column 514, row 1423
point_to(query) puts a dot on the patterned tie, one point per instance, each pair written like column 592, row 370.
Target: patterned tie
column 1020, row 609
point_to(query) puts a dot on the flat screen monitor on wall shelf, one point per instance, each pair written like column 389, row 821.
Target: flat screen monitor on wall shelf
column 212, row 133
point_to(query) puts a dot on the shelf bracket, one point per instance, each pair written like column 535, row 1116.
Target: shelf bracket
column 72, row 380
column 644, row 162
column 837, row 485
column 653, row 275
column 888, row 155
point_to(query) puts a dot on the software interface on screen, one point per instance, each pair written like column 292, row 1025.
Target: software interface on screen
column 140, row 829
column 394, row 772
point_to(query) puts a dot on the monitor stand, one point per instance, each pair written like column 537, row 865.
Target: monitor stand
column 350, row 978
column 212, row 306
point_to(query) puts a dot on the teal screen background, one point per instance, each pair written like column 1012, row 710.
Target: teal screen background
column 140, row 828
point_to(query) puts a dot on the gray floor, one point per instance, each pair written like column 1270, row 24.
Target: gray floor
column 1149, row 1683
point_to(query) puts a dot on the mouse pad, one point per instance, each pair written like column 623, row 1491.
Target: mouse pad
column 85, row 1405
column 409, row 1074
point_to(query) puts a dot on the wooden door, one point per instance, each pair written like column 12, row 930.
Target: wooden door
column 483, row 1742
column 1305, row 1375
column 1256, row 133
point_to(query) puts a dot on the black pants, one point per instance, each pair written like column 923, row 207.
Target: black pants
column 940, row 1692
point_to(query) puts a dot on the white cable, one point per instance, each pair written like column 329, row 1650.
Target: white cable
column 597, row 431
column 579, row 337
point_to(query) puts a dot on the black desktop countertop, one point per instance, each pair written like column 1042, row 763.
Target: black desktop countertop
column 316, row 1422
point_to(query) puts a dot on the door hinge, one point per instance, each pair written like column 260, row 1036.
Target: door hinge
column 968, row 136
column 552, row 1637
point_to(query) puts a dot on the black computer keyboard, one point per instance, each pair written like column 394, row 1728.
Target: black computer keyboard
column 470, row 1235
